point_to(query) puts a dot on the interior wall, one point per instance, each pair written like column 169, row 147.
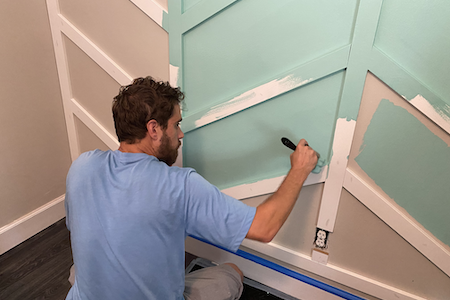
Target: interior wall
column 35, row 151
column 322, row 81
column 102, row 54
column 249, row 81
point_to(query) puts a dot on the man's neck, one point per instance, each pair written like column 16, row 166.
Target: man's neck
column 139, row 147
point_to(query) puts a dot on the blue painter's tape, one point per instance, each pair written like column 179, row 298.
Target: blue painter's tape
column 308, row 280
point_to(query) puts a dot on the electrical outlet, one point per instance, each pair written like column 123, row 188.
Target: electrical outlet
column 321, row 240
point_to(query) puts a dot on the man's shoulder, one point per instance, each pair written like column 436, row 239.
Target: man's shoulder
column 90, row 158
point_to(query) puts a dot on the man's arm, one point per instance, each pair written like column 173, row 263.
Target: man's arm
column 272, row 213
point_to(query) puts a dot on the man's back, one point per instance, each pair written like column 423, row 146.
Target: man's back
column 129, row 214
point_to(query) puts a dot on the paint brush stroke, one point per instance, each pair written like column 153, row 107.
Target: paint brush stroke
column 250, row 98
column 411, row 164
column 439, row 115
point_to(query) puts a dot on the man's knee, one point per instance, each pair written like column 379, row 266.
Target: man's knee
column 237, row 270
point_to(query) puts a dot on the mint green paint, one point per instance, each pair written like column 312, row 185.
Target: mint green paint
column 202, row 12
column 397, row 77
column 165, row 21
column 311, row 71
column 415, row 34
column 403, row 83
column 411, row 164
column 246, row 147
column 362, row 41
column 250, row 41
column 320, row 164
column 187, row 4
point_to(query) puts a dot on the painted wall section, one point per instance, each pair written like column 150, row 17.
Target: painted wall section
column 246, row 146
column 187, row 4
column 415, row 35
column 411, row 164
column 223, row 59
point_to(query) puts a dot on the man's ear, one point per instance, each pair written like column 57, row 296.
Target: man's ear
column 153, row 129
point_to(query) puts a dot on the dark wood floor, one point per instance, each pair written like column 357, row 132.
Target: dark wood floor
column 39, row 267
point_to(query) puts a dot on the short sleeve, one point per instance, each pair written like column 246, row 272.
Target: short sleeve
column 214, row 216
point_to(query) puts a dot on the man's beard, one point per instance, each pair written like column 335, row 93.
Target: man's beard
column 166, row 153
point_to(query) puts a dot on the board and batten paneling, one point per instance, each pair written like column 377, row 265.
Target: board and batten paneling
column 255, row 71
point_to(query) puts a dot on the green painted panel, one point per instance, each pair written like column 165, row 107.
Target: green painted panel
column 187, row 4
column 411, row 164
column 252, row 41
column 246, row 147
column 415, row 34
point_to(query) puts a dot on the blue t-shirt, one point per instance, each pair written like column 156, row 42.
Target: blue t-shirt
column 128, row 216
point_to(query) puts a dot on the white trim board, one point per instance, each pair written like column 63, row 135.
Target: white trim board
column 398, row 221
column 152, row 9
column 100, row 131
column 63, row 75
column 268, row 186
column 296, row 288
column 329, row 271
column 342, row 142
column 28, row 225
column 59, row 26
column 94, row 52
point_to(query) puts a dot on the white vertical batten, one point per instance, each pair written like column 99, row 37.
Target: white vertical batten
column 342, row 142
column 63, row 75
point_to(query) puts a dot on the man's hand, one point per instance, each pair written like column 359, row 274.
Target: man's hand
column 272, row 213
column 304, row 158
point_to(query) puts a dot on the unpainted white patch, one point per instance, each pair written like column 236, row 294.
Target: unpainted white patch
column 173, row 75
column 250, row 98
column 437, row 115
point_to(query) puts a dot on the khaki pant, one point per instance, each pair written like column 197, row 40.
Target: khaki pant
column 221, row 282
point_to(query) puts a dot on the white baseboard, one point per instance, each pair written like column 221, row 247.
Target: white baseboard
column 25, row 227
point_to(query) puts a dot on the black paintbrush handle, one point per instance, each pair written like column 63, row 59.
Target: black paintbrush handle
column 288, row 143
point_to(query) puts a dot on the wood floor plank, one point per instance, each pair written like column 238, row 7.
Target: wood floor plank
column 39, row 267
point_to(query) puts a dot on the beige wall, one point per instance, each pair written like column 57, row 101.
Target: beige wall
column 138, row 46
column 34, row 150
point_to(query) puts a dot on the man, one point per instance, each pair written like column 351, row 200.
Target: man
column 129, row 211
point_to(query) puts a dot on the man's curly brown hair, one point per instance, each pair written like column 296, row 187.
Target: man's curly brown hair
column 143, row 100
